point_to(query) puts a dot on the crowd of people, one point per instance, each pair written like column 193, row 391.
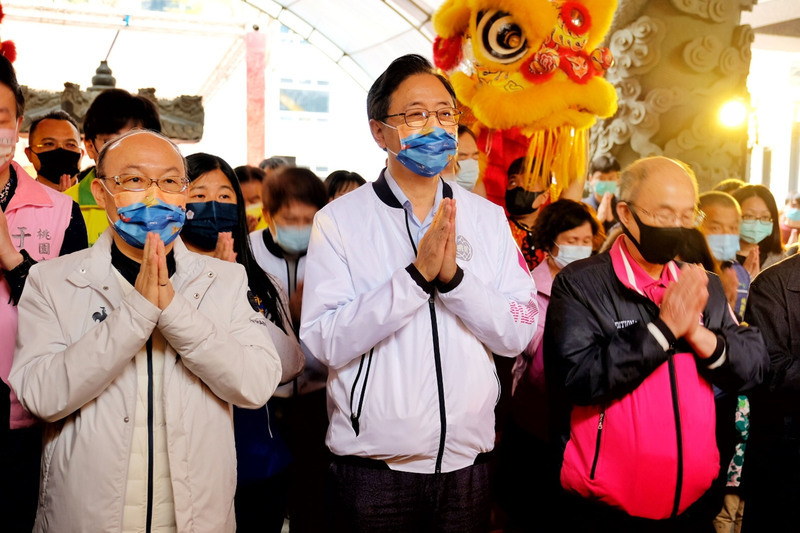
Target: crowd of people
column 192, row 346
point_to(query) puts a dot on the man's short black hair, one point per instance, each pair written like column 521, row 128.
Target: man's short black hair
column 115, row 109
column 396, row 73
column 517, row 167
column 53, row 115
column 8, row 77
column 604, row 164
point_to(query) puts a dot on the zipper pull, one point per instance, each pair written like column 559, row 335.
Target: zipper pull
column 354, row 423
column 600, row 423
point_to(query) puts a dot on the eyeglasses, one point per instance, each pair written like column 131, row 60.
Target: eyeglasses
column 47, row 146
column 767, row 219
column 666, row 217
column 418, row 118
column 132, row 182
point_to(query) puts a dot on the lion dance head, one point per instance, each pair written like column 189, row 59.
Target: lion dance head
column 530, row 75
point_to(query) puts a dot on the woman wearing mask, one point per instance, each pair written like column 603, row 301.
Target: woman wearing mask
column 760, row 243
column 566, row 231
column 216, row 225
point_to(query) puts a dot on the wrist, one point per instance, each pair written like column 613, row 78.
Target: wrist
column 11, row 260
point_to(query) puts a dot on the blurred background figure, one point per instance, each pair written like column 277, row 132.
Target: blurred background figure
column 468, row 172
column 251, row 180
column 340, row 182
column 603, row 176
column 566, row 231
column 760, row 244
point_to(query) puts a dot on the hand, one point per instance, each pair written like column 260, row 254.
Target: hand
column 224, row 249
column 685, row 300
column 731, row 285
column 252, row 222
column 449, row 266
column 605, row 213
column 66, row 181
column 153, row 280
column 296, row 303
column 10, row 258
column 430, row 254
column 753, row 262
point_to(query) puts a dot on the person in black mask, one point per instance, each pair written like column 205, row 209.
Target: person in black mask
column 525, row 195
column 633, row 344
column 216, row 225
column 54, row 150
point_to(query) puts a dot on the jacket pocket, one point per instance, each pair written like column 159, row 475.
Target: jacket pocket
column 598, row 442
column 355, row 411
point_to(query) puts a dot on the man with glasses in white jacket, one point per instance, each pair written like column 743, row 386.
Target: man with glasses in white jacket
column 406, row 302
column 133, row 351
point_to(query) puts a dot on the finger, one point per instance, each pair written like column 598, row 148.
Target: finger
column 161, row 258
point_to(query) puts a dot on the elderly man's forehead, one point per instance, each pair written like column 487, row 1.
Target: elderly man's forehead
column 140, row 148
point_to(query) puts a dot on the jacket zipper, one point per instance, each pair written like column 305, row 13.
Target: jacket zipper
column 675, row 407
column 437, row 358
column 150, row 436
column 356, row 415
column 597, row 444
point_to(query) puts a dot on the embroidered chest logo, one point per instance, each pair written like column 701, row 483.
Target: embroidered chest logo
column 463, row 248
column 99, row 316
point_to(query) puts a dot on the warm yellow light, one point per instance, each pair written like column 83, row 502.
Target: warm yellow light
column 733, row 113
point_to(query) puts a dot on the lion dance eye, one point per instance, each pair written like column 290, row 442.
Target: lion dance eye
column 501, row 38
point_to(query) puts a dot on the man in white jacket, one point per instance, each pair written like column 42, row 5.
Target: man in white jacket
column 133, row 351
column 405, row 302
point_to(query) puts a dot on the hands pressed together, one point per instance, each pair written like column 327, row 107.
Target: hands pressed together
column 9, row 256
column 682, row 308
column 436, row 256
column 153, row 280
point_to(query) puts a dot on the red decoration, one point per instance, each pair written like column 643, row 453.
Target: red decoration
column 1, row 13
column 447, row 52
column 576, row 17
column 9, row 50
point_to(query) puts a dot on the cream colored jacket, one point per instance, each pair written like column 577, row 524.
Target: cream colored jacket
column 76, row 372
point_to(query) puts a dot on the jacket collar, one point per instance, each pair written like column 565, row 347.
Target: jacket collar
column 95, row 268
column 631, row 274
column 385, row 194
column 28, row 192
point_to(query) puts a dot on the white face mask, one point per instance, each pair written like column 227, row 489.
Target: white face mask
column 8, row 144
column 468, row 173
column 567, row 253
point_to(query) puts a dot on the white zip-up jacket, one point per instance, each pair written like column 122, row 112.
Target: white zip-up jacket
column 74, row 368
column 411, row 379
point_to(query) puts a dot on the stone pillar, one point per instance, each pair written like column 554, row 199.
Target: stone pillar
column 256, row 54
column 676, row 63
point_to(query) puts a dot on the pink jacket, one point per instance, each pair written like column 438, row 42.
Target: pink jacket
column 624, row 453
column 37, row 219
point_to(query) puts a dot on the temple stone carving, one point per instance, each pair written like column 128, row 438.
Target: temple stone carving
column 182, row 118
column 676, row 63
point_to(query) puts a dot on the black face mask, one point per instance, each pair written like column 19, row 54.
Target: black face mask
column 205, row 221
column 58, row 162
column 519, row 201
column 658, row 246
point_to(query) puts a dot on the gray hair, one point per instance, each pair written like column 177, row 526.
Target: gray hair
column 136, row 131
column 637, row 172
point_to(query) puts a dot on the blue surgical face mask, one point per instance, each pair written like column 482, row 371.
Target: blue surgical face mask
column 205, row 221
column 567, row 253
column 602, row 187
column 792, row 214
column 724, row 246
column 138, row 219
column 754, row 231
column 293, row 239
column 426, row 152
column 468, row 172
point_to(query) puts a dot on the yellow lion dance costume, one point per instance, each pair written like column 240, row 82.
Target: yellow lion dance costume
column 531, row 75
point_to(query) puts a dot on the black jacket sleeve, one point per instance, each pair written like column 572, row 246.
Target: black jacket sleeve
column 773, row 307
column 746, row 359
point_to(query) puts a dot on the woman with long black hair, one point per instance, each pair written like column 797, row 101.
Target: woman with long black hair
column 216, row 225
